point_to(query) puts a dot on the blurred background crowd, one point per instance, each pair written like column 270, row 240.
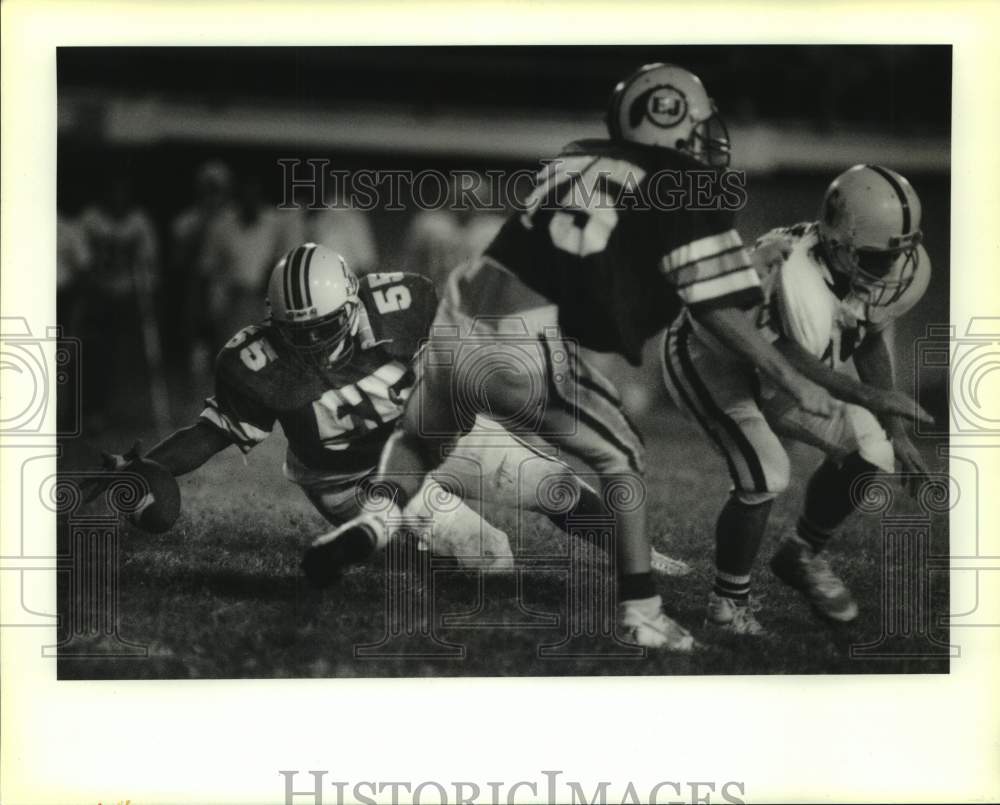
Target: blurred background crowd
column 170, row 184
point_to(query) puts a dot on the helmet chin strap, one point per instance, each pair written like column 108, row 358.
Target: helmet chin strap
column 345, row 348
column 342, row 351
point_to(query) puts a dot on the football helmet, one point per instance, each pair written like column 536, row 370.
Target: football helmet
column 667, row 106
column 313, row 304
column 869, row 230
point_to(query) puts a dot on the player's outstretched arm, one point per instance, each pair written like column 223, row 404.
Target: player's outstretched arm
column 878, row 398
column 180, row 453
column 189, row 448
column 732, row 327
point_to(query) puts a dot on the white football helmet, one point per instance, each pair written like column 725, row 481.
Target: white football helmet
column 313, row 304
column 667, row 106
column 869, row 228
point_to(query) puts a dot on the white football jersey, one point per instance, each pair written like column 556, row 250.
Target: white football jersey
column 806, row 302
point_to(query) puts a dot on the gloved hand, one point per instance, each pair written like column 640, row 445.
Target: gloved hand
column 110, row 463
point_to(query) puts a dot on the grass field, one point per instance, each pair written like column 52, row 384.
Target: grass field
column 221, row 594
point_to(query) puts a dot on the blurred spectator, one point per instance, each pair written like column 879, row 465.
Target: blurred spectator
column 242, row 246
column 120, row 330
column 433, row 245
column 439, row 239
column 186, row 293
column 345, row 231
column 72, row 265
column 480, row 228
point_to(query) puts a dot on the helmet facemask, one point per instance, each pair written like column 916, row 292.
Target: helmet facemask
column 877, row 276
column 322, row 342
column 709, row 142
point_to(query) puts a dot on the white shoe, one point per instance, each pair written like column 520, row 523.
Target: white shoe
column 667, row 565
column 643, row 622
column 732, row 616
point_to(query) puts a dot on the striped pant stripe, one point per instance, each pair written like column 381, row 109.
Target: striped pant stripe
column 593, row 419
column 745, row 466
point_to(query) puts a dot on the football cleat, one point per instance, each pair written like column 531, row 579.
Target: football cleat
column 352, row 543
column 729, row 615
column 798, row 566
column 643, row 623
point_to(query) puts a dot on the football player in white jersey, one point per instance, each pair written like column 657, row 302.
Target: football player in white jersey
column 831, row 288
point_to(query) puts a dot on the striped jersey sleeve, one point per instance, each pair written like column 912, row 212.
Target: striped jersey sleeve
column 712, row 268
column 234, row 410
column 239, row 428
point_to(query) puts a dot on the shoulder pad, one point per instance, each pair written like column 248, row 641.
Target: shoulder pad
column 400, row 308
column 250, row 360
column 771, row 250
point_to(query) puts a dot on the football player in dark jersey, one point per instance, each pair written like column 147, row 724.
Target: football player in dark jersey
column 583, row 266
column 333, row 363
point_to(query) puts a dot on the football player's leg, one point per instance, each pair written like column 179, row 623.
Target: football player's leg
column 583, row 415
column 410, row 453
column 720, row 396
column 337, row 502
column 855, row 444
column 521, row 472
column 333, row 495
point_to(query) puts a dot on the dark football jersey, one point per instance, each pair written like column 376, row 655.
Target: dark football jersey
column 336, row 419
column 614, row 238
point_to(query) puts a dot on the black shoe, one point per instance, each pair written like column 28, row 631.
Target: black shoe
column 326, row 559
